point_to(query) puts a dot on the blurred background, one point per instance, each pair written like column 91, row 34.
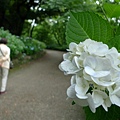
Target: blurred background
column 34, row 25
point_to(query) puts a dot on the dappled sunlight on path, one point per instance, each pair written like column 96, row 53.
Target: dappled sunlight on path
column 37, row 91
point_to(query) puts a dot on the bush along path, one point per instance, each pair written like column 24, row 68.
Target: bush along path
column 37, row 91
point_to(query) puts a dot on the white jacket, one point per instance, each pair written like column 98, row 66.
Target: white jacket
column 5, row 56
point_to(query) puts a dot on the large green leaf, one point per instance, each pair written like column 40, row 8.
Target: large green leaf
column 112, row 10
column 85, row 25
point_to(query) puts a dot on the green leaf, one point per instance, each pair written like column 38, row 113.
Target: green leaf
column 112, row 10
column 118, row 31
column 117, row 1
column 115, row 42
column 85, row 25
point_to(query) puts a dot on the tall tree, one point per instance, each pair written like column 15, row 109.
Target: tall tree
column 13, row 13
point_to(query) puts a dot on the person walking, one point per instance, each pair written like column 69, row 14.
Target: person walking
column 4, row 64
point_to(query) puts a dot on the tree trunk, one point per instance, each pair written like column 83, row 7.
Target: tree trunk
column 13, row 16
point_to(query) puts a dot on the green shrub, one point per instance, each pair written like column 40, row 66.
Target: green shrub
column 32, row 46
column 21, row 46
column 15, row 44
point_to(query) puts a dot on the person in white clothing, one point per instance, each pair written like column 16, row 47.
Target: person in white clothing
column 4, row 64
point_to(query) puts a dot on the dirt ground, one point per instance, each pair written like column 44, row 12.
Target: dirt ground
column 37, row 91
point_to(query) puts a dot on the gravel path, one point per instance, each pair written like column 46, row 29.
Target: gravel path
column 37, row 91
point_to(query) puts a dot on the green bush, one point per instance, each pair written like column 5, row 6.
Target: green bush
column 15, row 44
column 20, row 45
column 32, row 46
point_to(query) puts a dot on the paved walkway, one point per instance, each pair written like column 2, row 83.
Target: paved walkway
column 37, row 91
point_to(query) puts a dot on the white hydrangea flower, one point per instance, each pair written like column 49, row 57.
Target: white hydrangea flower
column 95, row 73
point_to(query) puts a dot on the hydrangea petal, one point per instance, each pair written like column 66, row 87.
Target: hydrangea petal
column 115, row 100
column 91, row 103
column 66, row 56
column 81, row 90
column 90, row 61
column 76, row 59
column 103, row 64
column 116, row 91
column 68, row 67
column 73, row 80
column 102, row 83
column 71, row 91
column 72, row 47
column 87, row 42
column 86, row 76
column 97, row 74
column 101, row 50
column 98, row 49
column 106, row 104
column 81, row 96
column 98, row 98
column 89, row 70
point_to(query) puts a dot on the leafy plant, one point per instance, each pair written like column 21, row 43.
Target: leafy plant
column 112, row 10
column 15, row 44
column 32, row 46
column 21, row 45
column 83, row 25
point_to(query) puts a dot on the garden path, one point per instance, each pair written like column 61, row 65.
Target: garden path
column 37, row 91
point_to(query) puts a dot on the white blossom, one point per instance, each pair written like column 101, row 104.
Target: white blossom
column 95, row 71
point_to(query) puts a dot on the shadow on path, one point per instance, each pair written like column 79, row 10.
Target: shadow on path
column 37, row 91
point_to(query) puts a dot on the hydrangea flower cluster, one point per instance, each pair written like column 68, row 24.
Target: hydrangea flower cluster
column 95, row 71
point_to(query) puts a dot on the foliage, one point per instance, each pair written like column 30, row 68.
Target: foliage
column 85, row 25
column 97, row 27
column 112, row 114
column 112, row 10
column 52, row 33
column 15, row 44
column 52, row 29
column 32, row 46
column 20, row 11
column 14, row 13
column 58, row 30
column 42, row 33
column 20, row 45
